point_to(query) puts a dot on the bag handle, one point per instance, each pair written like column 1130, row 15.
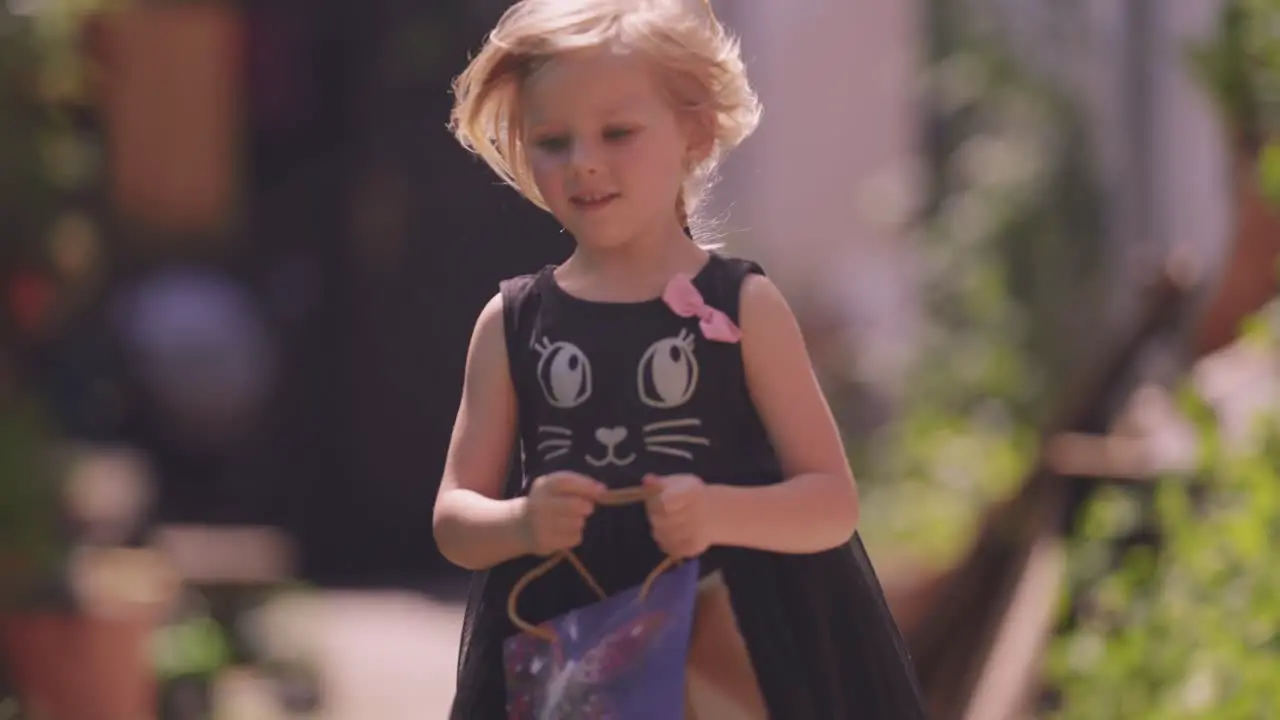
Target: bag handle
column 612, row 498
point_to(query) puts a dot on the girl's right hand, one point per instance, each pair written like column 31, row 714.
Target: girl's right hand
column 556, row 510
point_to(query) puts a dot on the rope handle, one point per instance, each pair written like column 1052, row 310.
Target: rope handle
column 613, row 498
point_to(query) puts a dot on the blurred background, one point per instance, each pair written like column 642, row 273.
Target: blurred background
column 1032, row 243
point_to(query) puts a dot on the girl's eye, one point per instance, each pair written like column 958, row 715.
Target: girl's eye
column 616, row 134
column 554, row 144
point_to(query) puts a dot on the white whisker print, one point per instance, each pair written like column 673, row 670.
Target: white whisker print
column 669, row 451
column 671, row 435
column 668, row 424
column 690, row 439
column 560, row 443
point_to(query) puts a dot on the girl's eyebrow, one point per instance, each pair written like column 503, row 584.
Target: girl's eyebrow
column 629, row 106
column 545, row 125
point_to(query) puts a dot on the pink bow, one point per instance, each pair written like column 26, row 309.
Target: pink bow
column 685, row 300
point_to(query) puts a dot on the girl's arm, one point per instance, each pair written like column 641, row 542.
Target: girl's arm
column 815, row 509
column 473, row 526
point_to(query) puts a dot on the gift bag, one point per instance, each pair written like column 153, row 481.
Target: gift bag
column 622, row 658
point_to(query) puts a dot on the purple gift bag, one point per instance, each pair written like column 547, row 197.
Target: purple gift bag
column 622, row 658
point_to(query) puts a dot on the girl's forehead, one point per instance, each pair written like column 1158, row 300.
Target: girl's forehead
column 597, row 82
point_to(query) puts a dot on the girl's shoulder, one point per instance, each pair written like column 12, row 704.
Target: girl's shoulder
column 724, row 279
column 521, row 297
column 521, row 287
column 733, row 266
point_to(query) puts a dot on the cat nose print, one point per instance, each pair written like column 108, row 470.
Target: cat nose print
column 610, row 437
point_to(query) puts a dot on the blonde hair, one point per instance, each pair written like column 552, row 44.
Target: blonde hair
column 703, row 74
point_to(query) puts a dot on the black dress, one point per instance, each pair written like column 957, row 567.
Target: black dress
column 618, row 390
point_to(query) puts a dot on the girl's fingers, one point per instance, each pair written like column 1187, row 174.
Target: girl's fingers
column 670, row 515
column 574, row 507
column 572, row 523
column 568, row 537
column 671, row 535
column 578, row 485
column 677, row 549
column 674, row 502
column 653, row 505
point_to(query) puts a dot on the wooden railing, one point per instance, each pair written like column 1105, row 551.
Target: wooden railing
column 978, row 652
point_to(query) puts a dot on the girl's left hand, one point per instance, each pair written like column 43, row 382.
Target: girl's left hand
column 679, row 514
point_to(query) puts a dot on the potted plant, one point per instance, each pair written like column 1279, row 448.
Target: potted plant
column 60, row 662
column 28, row 132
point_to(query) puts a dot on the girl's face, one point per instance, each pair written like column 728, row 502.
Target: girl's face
column 607, row 150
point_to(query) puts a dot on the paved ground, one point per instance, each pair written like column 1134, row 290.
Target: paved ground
column 390, row 657
column 385, row 655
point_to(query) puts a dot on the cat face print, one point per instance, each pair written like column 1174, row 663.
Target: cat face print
column 666, row 379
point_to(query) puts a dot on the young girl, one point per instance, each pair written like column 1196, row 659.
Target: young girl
column 646, row 360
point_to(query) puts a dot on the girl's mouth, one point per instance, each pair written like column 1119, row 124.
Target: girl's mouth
column 594, row 201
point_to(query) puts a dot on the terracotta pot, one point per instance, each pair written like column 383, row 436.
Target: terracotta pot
column 79, row 667
column 1249, row 278
column 94, row 664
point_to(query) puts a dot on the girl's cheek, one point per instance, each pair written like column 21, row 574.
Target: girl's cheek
column 547, row 175
column 649, row 158
column 543, row 164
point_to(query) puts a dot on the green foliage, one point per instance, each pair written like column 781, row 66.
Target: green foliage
column 1185, row 625
column 29, row 541
column 26, row 124
column 1003, row 261
column 41, row 156
column 1269, row 172
column 196, row 646
column 1240, row 67
column 1190, row 630
column 40, row 162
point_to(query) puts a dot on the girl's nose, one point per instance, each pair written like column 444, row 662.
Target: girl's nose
column 584, row 157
